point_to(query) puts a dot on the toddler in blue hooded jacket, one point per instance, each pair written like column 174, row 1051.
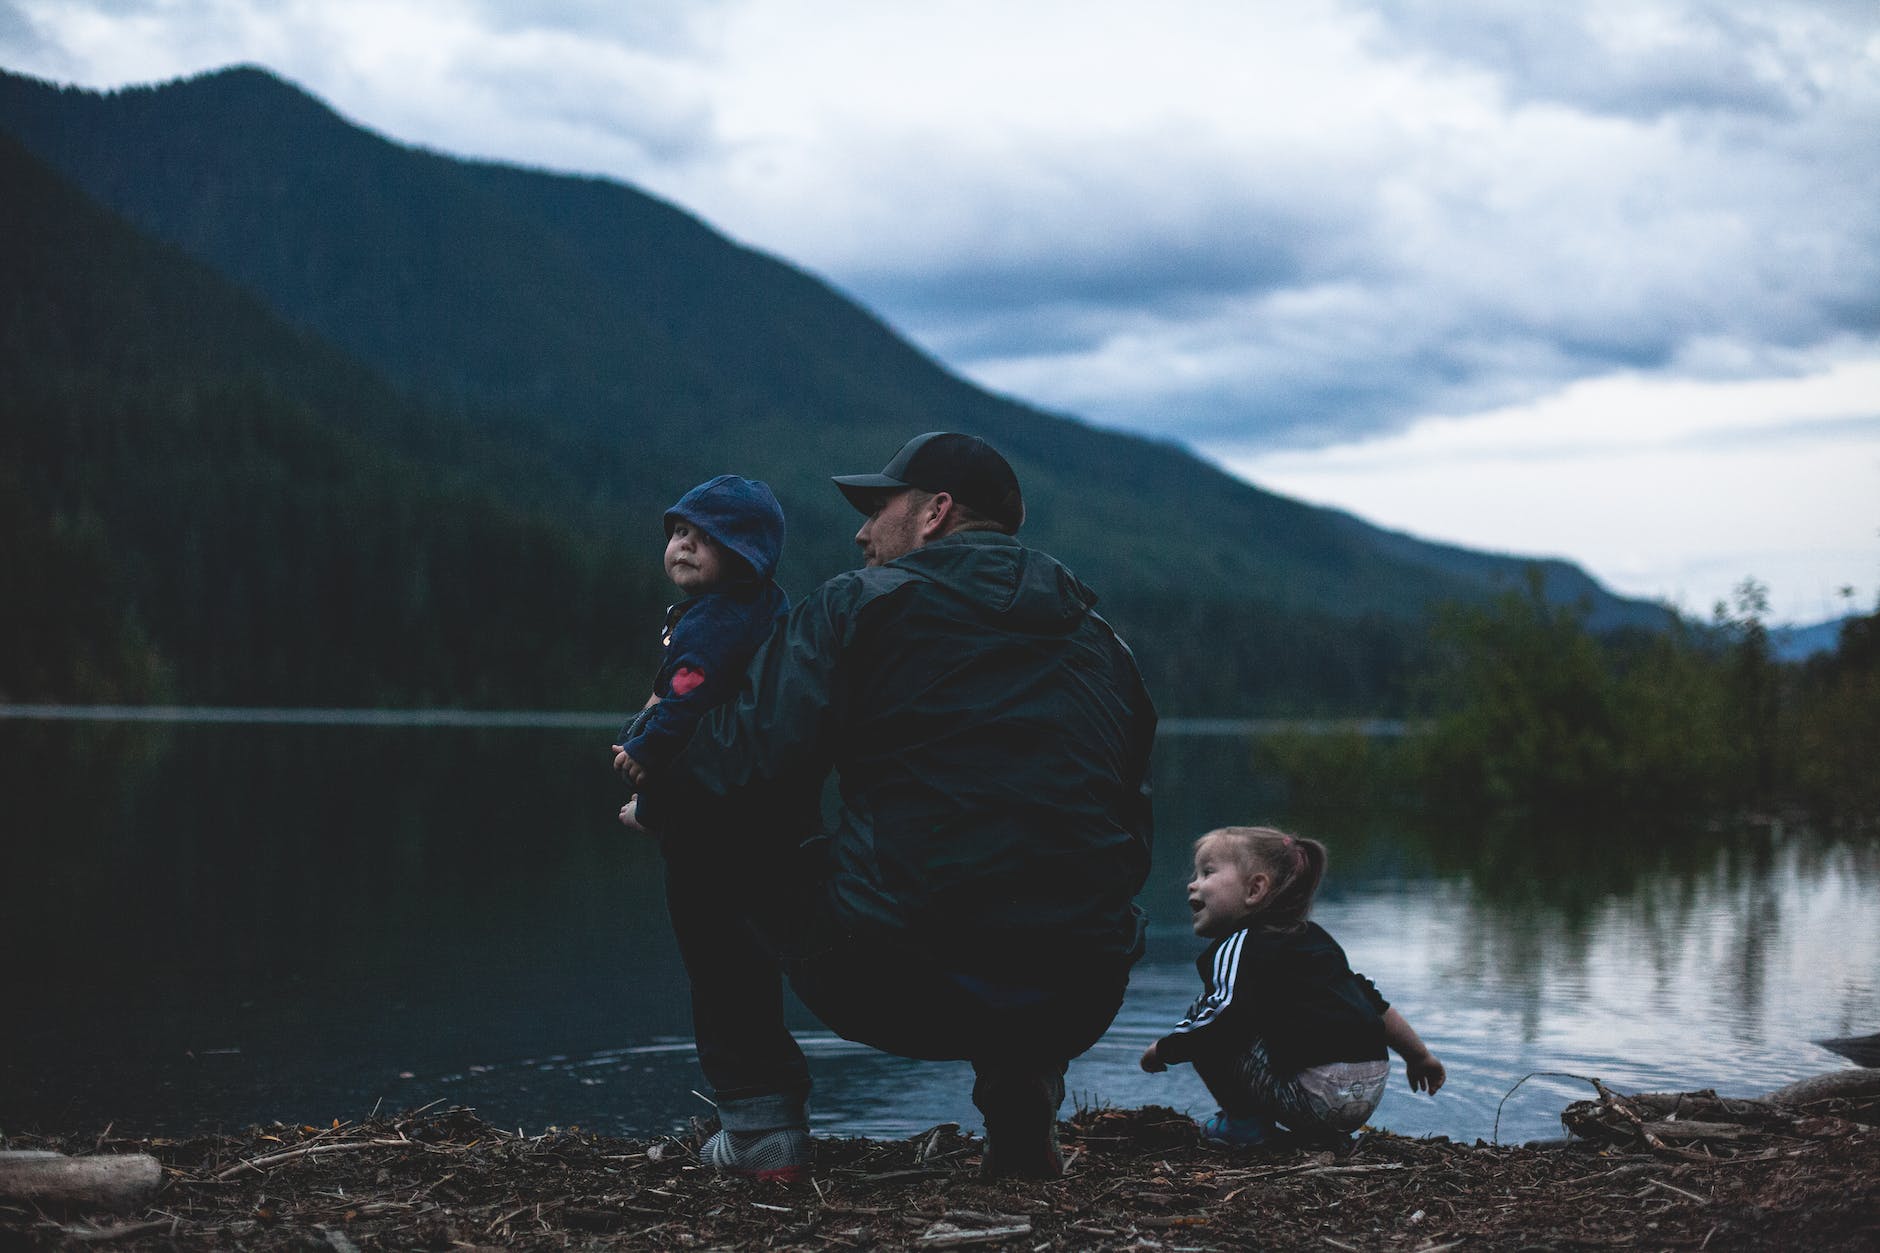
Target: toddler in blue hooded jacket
column 723, row 539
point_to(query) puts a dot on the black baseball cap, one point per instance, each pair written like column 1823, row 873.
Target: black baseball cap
column 965, row 467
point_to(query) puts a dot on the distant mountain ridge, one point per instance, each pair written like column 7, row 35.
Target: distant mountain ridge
column 626, row 350
column 1804, row 640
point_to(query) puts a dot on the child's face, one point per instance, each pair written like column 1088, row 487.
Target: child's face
column 1222, row 896
column 694, row 561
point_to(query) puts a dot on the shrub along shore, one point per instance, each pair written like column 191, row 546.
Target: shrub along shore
column 1526, row 717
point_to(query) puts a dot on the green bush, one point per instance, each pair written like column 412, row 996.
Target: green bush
column 1528, row 716
column 1336, row 770
column 1534, row 715
column 1833, row 734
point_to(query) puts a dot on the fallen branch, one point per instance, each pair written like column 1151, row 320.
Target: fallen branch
column 900, row 1176
column 123, row 1231
column 944, row 1235
column 1691, row 1129
column 1366, row 1169
column 1659, row 1183
column 271, row 1159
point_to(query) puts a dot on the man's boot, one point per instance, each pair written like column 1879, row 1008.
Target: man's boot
column 1020, row 1104
column 761, row 1137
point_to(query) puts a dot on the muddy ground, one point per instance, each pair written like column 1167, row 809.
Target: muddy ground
column 1723, row 1175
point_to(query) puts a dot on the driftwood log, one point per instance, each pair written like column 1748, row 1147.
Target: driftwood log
column 1859, row 1084
column 106, row 1182
column 1834, row 1104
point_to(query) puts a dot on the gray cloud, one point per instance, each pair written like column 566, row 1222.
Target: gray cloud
column 1693, row 56
column 1448, row 205
column 1761, row 238
column 1165, row 274
column 1787, row 435
column 1363, row 360
column 1367, row 348
column 596, row 100
column 665, row 28
column 18, row 32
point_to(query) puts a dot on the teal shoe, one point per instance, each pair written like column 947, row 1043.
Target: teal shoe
column 1245, row 1132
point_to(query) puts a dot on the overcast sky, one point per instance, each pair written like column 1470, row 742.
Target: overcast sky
column 1596, row 279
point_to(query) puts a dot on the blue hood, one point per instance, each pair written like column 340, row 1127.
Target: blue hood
column 741, row 514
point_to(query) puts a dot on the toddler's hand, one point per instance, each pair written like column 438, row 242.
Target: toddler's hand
column 1426, row 1073
column 635, row 772
column 630, row 815
column 1151, row 1062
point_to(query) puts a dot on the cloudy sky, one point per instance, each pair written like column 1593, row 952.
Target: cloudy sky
column 1598, row 279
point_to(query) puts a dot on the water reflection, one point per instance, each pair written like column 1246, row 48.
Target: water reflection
column 226, row 924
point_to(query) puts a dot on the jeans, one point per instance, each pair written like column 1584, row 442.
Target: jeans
column 748, row 917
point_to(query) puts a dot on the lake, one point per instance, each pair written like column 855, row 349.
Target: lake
column 210, row 925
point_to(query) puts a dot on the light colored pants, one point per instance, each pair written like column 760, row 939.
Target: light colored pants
column 1335, row 1098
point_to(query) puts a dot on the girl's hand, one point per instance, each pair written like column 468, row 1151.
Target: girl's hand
column 1151, row 1062
column 630, row 816
column 1426, row 1073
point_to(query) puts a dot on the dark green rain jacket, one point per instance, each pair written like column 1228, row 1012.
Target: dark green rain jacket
column 990, row 736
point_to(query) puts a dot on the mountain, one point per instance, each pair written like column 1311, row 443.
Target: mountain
column 572, row 353
column 1802, row 641
column 202, row 502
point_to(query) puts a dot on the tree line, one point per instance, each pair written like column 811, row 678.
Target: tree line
column 1527, row 719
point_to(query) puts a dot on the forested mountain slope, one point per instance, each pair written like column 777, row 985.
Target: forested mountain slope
column 572, row 353
column 203, row 503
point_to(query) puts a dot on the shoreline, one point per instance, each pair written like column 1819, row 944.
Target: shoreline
column 583, row 719
column 1732, row 1175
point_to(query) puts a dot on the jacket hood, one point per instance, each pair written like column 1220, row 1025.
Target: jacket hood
column 741, row 514
column 1016, row 586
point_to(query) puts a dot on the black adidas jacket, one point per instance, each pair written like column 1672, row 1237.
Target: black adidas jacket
column 1294, row 990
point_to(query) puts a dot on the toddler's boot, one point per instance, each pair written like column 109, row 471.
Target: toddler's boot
column 761, row 1137
column 1243, row 1131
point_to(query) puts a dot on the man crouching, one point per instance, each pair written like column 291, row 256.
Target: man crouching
column 973, row 899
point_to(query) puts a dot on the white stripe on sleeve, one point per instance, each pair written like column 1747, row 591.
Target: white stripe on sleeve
column 1220, row 992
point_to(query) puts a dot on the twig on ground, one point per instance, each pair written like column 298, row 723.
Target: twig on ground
column 1495, row 1137
column 1659, row 1183
column 311, row 1150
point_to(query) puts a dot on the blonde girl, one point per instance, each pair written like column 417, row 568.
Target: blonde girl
column 1284, row 1031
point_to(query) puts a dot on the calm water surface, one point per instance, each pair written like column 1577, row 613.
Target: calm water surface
column 209, row 926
